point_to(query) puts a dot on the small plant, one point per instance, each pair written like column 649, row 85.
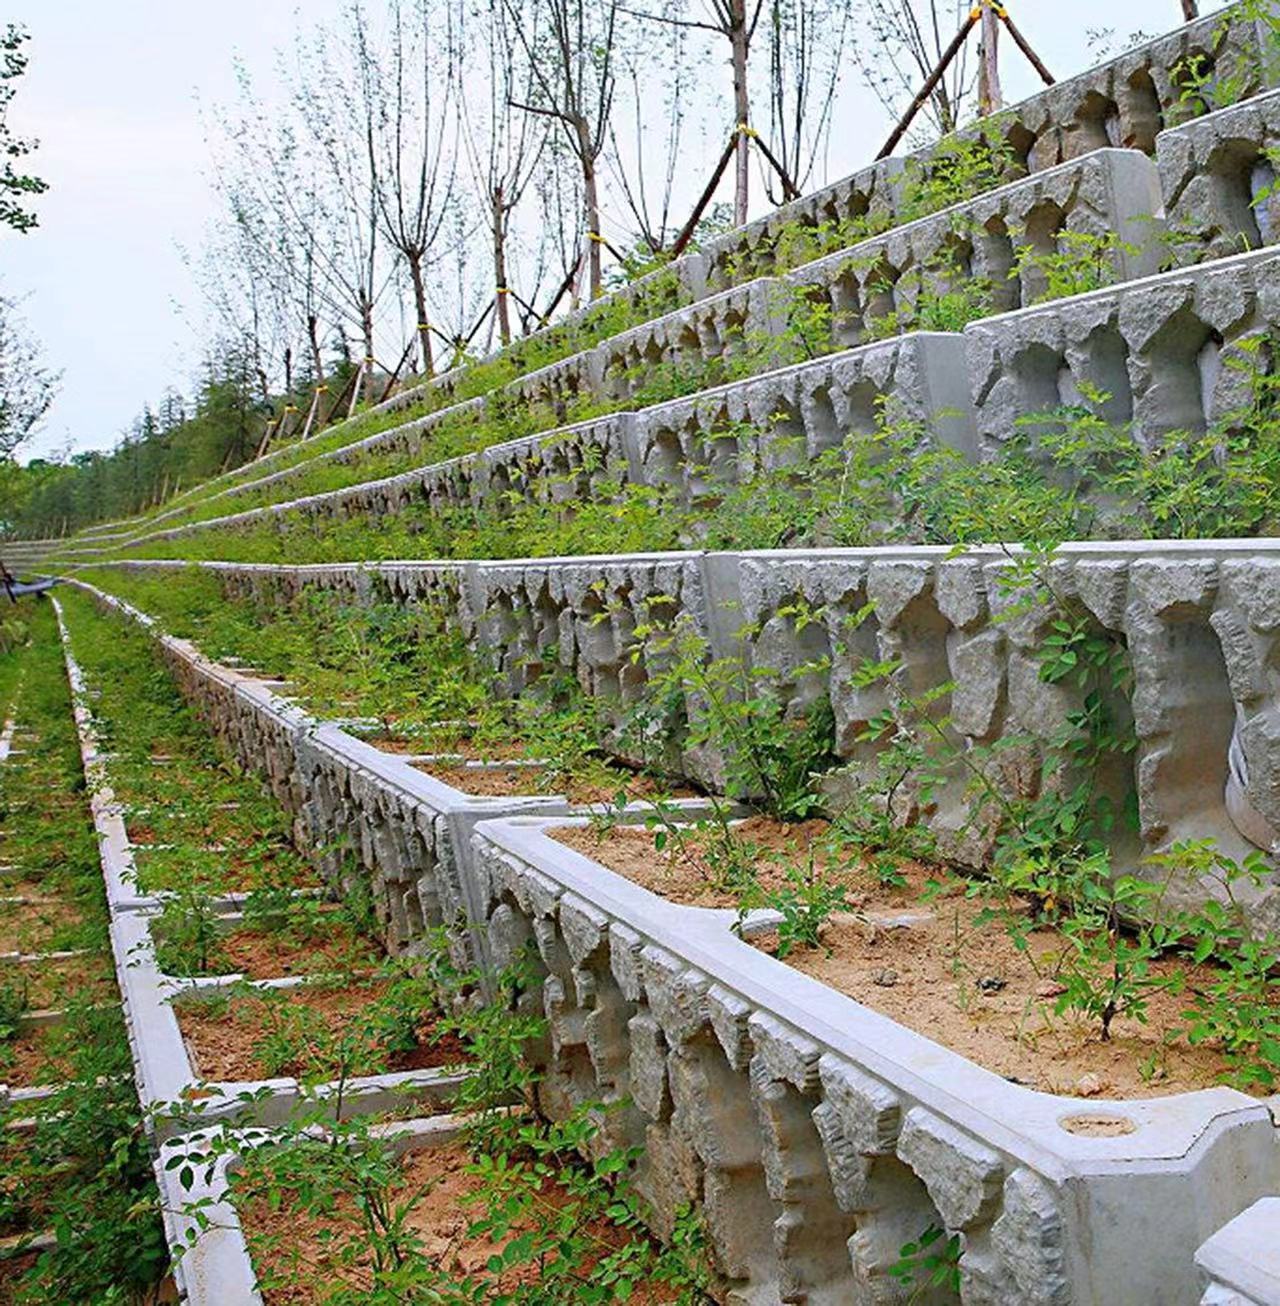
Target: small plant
column 930, row 1261
column 1081, row 261
column 806, row 904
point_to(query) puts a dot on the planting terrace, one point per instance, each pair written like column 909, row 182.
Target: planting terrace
column 786, row 760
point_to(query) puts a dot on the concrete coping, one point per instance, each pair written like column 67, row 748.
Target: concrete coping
column 1244, row 1255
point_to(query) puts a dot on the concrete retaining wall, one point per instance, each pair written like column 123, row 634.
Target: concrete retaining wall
column 1197, row 620
column 814, row 1136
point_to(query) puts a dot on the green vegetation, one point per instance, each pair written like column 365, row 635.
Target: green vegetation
column 563, row 1230
column 82, row 1171
column 1119, row 941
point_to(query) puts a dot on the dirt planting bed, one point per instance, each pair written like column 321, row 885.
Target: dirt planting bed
column 302, row 1257
column 261, row 1034
column 936, row 953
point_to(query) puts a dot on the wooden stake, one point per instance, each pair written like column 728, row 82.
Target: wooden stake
column 789, row 190
column 990, row 99
column 931, row 82
column 686, row 232
column 395, row 376
column 312, row 411
column 1025, row 46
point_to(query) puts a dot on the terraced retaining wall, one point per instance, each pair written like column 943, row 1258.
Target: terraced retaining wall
column 1198, row 620
column 814, row 1136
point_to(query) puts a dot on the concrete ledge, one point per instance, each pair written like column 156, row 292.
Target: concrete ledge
column 1242, row 1260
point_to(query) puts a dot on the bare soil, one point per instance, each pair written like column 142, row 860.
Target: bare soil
column 27, row 1061
column 944, row 965
column 530, row 781
column 263, row 954
column 33, row 928
column 686, row 874
column 466, row 749
column 54, row 983
column 301, row 1258
column 256, row 1037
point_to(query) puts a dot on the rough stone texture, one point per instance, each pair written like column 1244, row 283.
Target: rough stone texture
column 1200, row 622
column 814, row 1137
column 1218, row 174
column 1123, row 103
column 1242, row 1260
column 1160, row 348
column 1106, row 191
column 1127, row 101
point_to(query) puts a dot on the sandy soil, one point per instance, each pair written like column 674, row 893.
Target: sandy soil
column 686, row 875
column 259, row 954
column 300, row 1256
column 227, row 1045
column 527, row 781
column 34, row 928
column 945, row 965
column 467, row 749
column 52, row 983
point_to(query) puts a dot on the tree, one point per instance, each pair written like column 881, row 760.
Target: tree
column 412, row 133
column 736, row 22
column 807, row 40
column 27, row 387
column 656, row 143
column 907, row 41
column 504, row 145
column 571, row 46
column 15, row 186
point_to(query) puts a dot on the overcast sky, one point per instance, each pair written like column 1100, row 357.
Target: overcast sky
column 114, row 94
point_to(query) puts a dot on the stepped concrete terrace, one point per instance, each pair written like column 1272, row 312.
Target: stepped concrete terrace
column 1109, row 110
column 1218, row 176
column 1162, row 349
column 1125, row 103
column 1195, row 616
column 813, row 1136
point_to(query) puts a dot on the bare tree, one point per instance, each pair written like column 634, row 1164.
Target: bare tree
column 504, row 144
column 651, row 148
column 807, row 40
column 571, row 47
column 907, row 39
column 27, row 387
column 407, row 97
column 736, row 22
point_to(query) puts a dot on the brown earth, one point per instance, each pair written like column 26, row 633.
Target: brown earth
column 263, row 954
column 301, row 1258
column 944, row 964
column 256, row 1037
column 34, row 927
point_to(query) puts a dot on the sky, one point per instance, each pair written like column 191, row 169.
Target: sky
column 114, row 94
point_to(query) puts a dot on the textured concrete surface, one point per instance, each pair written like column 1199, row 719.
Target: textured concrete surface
column 814, row 1136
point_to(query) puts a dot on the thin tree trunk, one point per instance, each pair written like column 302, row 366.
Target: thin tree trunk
column 1190, row 10
column 591, row 207
column 288, row 370
column 990, row 99
column 366, row 327
column 741, row 112
column 500, row 266
column 420, row 307
column 313, row 339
